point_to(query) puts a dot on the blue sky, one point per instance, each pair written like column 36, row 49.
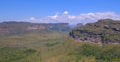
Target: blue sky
column 23, row 9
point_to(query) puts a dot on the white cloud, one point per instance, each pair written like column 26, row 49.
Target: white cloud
column 72, row 19
column 53, row 17
column 32, row 18
column 65, row 12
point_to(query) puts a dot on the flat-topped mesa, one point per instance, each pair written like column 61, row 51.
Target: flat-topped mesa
column 51, row 26
column 103, row 31
column 8, row 27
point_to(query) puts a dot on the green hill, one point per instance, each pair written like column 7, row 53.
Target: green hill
column 103, row 31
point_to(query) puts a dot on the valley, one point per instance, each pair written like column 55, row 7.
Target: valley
column 38, row 44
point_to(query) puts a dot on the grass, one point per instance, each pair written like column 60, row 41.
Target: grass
column 14, row 54
column 53, row 46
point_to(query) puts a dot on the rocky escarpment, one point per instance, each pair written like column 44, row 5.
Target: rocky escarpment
column 22, row 27
column 103, row 31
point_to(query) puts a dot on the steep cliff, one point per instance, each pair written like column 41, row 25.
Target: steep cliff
column 103, row 31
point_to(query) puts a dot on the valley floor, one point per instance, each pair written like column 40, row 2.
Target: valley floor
column 54, row 47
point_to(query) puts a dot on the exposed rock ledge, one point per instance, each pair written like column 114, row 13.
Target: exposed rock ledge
column 104, row 31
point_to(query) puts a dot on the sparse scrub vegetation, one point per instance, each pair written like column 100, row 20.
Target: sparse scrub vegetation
column 57, row 46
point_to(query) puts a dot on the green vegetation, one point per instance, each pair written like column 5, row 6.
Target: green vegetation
column 100, row 53
column 105, row 31
column 54, row 46
column 8, row 54
column 33, row 46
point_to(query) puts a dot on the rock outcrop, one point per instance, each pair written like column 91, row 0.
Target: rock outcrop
column 103, row 31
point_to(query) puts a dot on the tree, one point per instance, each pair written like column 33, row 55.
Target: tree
column 103, row 38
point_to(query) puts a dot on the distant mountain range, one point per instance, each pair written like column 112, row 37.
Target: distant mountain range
column 103, row 31
column 21, row 27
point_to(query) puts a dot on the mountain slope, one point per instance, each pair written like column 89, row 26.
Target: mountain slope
column 103, row 31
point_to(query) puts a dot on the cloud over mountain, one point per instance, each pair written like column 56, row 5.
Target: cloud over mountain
column 72, row 19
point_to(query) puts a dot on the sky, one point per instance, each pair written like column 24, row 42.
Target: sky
column 50, row 11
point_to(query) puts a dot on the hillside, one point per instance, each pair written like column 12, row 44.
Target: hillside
column 103, row 31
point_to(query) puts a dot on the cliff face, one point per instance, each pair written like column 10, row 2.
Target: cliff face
column 79, row 24
column 20, row 27
column 103, row 31
column 50, row 26
column 58, row 26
